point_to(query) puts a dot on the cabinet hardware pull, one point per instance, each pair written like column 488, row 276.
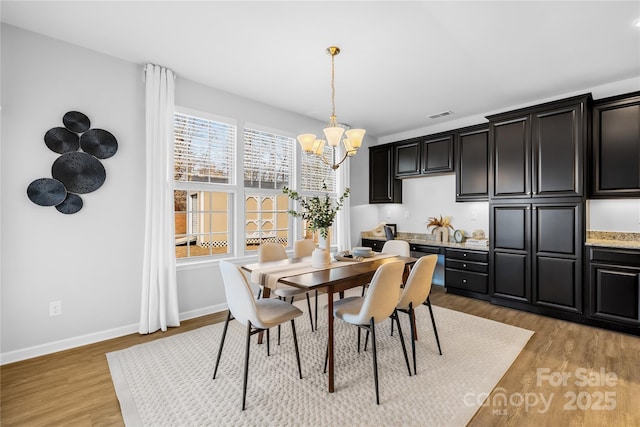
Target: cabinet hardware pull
column 464, row 254
column 464, row 280
column 464, row 265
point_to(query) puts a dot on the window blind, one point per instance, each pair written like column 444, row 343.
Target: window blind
column 204, row 150
column 268, row 159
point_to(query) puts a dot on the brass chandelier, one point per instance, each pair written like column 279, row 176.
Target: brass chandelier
column 334, row 134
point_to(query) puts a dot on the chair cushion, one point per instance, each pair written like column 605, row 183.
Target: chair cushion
column 272, row 312
column 288, row 291
column 348, row 309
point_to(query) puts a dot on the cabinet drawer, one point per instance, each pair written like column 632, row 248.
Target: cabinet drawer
column 476, row 282
column 467, row 255
column 421, row 250
column 478, row 267
column 376, row 245
column 615, row 256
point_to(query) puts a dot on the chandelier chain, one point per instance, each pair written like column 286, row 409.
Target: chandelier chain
column 333, row 91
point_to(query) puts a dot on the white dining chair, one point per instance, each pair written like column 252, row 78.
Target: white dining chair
column 270, row 251
column 393, row 247
column 415, row 293
column 255, row 315
column 303, row 248
column 377, row 305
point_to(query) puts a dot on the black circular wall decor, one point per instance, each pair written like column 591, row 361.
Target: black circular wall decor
column 75, row 121
column 79, row 172
column 72, row 204
column 61, row 140
column 74, row 172
column 46, row 192
column 99, row 143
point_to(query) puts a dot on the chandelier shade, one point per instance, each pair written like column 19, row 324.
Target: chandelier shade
column 334, row 134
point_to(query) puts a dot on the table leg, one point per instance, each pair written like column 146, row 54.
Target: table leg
column 266, row 293
column 330, row 334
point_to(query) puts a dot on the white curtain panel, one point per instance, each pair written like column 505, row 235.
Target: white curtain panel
column 159, row 305
column 344, row 215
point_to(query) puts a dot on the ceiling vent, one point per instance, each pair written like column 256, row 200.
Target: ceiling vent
column 442, row 114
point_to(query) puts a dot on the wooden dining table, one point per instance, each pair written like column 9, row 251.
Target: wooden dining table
column 335, row 278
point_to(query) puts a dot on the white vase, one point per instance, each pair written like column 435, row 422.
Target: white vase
column 445, row 233
column 442, row 234
column 321, row 256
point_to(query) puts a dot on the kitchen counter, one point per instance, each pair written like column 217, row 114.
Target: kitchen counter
column 423, row 239
column 611, row 239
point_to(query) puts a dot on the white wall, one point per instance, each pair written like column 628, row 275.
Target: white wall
column 91, row 260
column 621, row 215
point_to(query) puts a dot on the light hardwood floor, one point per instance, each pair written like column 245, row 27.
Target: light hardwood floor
column 74, row 387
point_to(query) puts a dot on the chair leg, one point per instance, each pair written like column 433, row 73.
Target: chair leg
column 391, row 328
column 295, row 342
column 404, row 347
column 268, row 354
column 246, row 366
column 224, row 334
column 433, row 322
column 259, row 293
column 363, row 289
column 326, row 358
column 359, row 340
column 375, row 358
column 310, row 314
column 412, row 316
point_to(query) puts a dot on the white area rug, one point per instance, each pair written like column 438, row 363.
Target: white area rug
column 168, row 382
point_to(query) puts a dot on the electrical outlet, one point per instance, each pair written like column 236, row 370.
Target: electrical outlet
column 55, row 308
column 473, row 213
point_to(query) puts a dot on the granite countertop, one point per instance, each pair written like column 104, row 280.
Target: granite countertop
column 424, row 239
column 611, row 239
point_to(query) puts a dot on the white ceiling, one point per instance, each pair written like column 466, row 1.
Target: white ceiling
column 400, row 61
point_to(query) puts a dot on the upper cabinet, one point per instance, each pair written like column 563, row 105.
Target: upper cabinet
column 383, row 187
column 425, row 155
column 616, row 147
column 437, row 154
column 407, row 156
column 540, row 151
column 472, row 160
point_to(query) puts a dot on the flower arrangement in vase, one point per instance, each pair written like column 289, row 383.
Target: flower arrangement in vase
column 441, row 227
column 320, row 214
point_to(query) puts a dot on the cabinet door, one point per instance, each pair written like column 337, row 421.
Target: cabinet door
column 558, row 152
column 511, row 158
column 557, row 256
column 437, row 155
column 510, row 234
column 616, row 147
column 407, row 159
column 472, row 173
column 615, row 293
column 383, row 187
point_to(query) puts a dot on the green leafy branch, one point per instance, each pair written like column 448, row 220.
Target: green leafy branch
column 320, row 213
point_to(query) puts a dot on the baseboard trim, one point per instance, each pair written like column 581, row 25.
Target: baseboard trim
column 79, row 341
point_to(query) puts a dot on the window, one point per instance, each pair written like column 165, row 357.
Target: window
column 268, row 167
column 204, row 150
column 222, row 210
column 315, row 173
column 204, row 165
